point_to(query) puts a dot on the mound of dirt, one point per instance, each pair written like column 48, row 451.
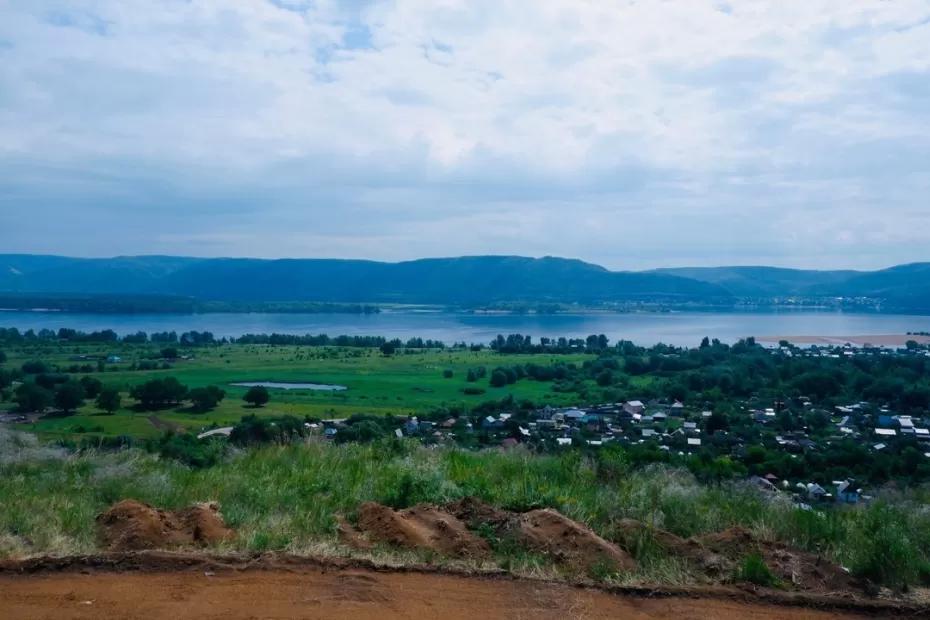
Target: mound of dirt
column 129, row 525
column 803, row 570
column 632, row 535
column 570, row 542
column 477, row 513
column 421, row 527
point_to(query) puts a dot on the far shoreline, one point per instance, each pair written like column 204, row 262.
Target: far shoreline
column 874, row 340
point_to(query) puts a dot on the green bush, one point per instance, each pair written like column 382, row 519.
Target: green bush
column 753, row 569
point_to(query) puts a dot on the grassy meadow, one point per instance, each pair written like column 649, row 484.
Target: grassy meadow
column 405, row 383
column 288, row 498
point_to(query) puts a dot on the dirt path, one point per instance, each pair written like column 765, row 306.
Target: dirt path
column 349, row 594
column 164, row 425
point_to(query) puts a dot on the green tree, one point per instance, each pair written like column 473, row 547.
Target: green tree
column 257, row 395
column 92, row 386
column 159, row 393
column 498, row 378
column 69, row 396
column 32, row 397
column 205, row 398
column 108, row 399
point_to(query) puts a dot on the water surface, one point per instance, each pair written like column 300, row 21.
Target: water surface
column 676, row 328
column 280, row 385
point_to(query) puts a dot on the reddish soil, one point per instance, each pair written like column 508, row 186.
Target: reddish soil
column 130, row 526
column 421, row 527
column 803, row 570
column 570, row 542
column 177, row 587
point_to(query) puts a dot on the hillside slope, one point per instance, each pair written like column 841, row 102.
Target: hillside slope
column 464, row 280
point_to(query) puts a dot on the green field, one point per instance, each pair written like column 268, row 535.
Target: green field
column 406, row 383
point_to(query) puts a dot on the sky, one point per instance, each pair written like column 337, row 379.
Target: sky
column 633, row 134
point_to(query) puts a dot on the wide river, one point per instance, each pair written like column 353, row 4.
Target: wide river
column 676, row 328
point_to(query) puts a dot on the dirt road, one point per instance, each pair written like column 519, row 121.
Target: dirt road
column 349, row 594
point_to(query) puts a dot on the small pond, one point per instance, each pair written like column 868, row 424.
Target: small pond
column 280, row 385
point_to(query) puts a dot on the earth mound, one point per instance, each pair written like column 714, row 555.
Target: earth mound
column 632, row 535
column 130, row 525
column 568, row 541
column 802, row 569
column 421, row 527
column 477, row 513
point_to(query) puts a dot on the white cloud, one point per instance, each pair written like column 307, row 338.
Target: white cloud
column 552, row 127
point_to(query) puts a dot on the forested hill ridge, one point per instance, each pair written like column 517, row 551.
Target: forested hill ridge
column 466, row 281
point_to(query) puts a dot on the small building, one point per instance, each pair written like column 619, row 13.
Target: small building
column 634, row 407
column 846, row 492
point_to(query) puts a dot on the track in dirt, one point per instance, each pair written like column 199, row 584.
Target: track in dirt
column 350, row 594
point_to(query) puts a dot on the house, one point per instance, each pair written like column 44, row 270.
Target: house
column 904, row 421
column 634, row 407
column 677, row 408
column 574, row 415
column 694, row 441
column 648, row 432
column 563, row 441
column 690, row 427
column 813, row 490
column 846, row 491
column 885, row 432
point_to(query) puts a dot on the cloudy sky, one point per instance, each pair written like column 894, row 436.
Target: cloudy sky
column 634, row 133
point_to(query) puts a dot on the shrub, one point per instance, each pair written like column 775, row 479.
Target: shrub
column 447, row 373
column 753, row 569
column 34, row 367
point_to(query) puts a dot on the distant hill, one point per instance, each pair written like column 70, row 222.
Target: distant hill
column 762, row 281
column 901, row 288
column 467, row 281
column 464, row 280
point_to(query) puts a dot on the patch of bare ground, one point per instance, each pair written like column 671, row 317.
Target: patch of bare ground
column 422, row 527
column 176, row 586
column 129, row 525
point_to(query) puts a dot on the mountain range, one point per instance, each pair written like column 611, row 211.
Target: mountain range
column 468, row 280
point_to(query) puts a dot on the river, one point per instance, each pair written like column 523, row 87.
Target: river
column 676, row 328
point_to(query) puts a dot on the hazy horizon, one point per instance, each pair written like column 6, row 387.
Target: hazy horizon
column 634, row 136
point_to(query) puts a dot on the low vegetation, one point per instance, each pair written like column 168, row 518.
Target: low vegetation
column 289, row 498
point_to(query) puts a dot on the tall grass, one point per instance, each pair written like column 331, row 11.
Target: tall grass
column 288, row 498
